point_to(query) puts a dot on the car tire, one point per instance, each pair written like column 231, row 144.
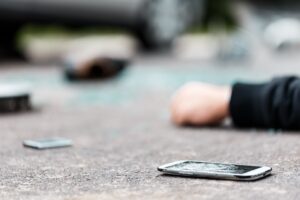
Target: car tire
column 162, row 21
column 8, row 44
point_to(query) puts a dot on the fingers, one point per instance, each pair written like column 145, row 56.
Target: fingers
column 182, row 105
column 178, row 115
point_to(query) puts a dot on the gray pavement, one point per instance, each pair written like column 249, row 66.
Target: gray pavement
column 121, row 133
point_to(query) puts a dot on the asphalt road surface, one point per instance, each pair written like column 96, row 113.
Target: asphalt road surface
column 121, row 133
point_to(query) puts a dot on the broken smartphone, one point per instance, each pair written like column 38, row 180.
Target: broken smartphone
column 201, row 169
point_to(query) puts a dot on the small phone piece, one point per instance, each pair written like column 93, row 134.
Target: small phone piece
column 215, row 170
column 47, row 143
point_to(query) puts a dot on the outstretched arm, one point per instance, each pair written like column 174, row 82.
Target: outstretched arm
column 275, row 104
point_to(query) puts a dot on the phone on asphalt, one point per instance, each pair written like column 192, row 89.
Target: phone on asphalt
column 199, row 169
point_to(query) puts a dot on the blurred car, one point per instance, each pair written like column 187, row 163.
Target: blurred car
column 155, row 22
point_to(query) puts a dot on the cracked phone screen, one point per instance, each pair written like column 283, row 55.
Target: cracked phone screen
column 199, row 167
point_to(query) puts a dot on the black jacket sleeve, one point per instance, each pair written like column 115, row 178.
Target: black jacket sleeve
column 275, row 104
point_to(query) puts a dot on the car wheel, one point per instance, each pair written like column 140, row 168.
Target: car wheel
column 163, row 20
column 8, row 46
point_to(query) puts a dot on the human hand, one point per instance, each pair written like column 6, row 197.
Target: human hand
column 200, row 104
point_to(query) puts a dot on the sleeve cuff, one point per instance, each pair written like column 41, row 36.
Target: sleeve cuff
column 244, row 104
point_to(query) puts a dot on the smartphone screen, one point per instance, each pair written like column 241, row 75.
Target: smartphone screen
column 200, row 167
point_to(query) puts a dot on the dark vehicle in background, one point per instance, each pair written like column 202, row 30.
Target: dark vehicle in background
column 154, row 22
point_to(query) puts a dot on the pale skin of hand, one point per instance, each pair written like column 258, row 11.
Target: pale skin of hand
column 200, row 104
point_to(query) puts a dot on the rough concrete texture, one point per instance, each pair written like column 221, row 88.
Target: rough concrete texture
column 121, row 133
